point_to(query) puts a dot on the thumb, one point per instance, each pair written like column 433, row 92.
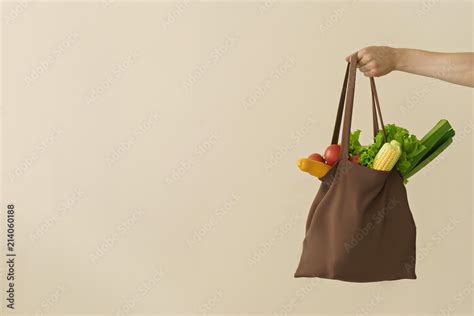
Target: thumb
column 348, row 58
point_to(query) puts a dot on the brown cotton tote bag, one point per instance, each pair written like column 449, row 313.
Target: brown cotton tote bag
column 360, row 227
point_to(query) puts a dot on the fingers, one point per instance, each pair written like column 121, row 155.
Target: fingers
column 366, row 61
column 370, row 69
column 371, row 73
column 376, row 61
column 367, row 66
column 363, row 56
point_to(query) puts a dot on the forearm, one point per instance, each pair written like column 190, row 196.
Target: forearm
column 452, row 67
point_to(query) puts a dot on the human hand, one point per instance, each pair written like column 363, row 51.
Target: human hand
column 376, row 61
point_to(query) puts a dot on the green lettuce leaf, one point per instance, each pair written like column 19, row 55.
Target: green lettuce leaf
column 410, row 146
column 354, row 144
column 366, row 153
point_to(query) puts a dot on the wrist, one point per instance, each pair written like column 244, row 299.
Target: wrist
column 400, row 58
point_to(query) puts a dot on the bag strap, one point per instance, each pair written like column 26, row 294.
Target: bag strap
column 376, row 110
column 340, row 109
column 349, row 104
column 346, row 125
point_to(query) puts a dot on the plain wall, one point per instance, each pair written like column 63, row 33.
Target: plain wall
column 150, row 150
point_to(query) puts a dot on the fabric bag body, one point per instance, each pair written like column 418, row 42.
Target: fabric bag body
column 360, row 227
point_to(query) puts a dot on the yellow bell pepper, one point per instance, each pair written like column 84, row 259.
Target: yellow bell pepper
column 314, row 168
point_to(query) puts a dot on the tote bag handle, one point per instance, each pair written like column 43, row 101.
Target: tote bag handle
column 347, row 95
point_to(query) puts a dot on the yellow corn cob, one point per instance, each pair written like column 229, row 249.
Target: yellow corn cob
column 387, row 156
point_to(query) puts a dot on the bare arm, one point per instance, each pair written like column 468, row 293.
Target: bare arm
column 458, row 68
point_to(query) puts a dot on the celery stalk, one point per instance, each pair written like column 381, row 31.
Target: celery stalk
column 429, row 158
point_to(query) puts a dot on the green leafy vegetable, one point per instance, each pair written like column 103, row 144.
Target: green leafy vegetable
column 435, row 141
column 354, row 144
column 429, row 158
column 410, row 147
column 366, row 153
column 437, row 136
column 415, row 153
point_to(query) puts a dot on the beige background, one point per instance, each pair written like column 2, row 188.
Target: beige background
column 150, row 150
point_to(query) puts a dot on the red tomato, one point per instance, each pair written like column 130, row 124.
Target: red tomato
column 332, row 154
column 316, row 157
column 354, row 159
